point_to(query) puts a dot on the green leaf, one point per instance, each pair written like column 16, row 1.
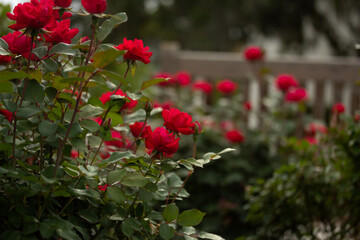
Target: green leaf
column 37, row 75
column 5, row 147
column 136, row 116
column 118, row 156
column 5, row 75
column 6, row 87
column 76, row 129
column 192, row 161
column 91, row 171
column 116, row 176
column 34, row 91
column 210, row 236
column 90, row 125
column 89, row 216
column 127, row 227
column 103, row 58
column 4, row 44
column 84, row 192
column 94, row 141
column 116, row 119
column 152, row 82
column 68, row 234
column 47, row 128
column 26, row 112
column 46, row 229
column 166, row 232
column 50, row 65
column 90, row 111
column 63, row 48
column 134, row 180
column 116, row 194
column 113, row 75
column 40, row 52
column 108, row 25
column 170, row 213
column 226, row 150
column 190, row 217
column 78, row 143
column 71, row 169
column 88, row 68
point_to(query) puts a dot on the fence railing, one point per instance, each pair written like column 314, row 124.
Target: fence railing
column 327, row 81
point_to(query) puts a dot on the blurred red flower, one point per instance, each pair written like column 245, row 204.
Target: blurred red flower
column 253, row 53
column 226, row 86
column 182, row 78
column 235, row 136
column 284, row 82
column 94, row 6
column 62, row 3
column 8, row 115
column 203, row 86
column 136, row 129
column 105, row 97
column 338, row 108
column 296, row 95
column 247, row 105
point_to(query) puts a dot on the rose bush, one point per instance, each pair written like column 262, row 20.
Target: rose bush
column 80, row 165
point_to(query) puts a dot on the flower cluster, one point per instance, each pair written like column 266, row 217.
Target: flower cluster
column 290, row 87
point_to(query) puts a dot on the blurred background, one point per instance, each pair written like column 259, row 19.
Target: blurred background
column 315, row 27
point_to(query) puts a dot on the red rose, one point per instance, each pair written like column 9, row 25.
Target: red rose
column 105, row 97
column 311, row 140
column 103, row 187
column 226, row 86
column 203, row 86
column 61, row 33
column 234, row 136
column 117, row 140
column 284, row 82
column 84, row 39
column 338, row 108
column 5, row 59
column 74, row 154
column 253, row 53
column 8, row 115
column 247, row 106
column 135, row 51
column 177, row 121
column 163, row 141
column 62, row 3
column 314, row 128
column 18, row 44
column 165, row 105
column 183, row 78
column 94, row 6
column 136, row 129
column 357, row 117
column 296, row 95
column 170, row 82
column 32, row 14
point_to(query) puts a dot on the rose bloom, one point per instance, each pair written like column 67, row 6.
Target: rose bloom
column 34, row 14
column 284, row 82
column 62, row 3
column 311, row 140
column 105, row 97
column 177, row 121
column 61, row 33
column 84, row 39
column 235, row 136
column 226, row 86
column 247, row 106
column 163, row 141
column 103, row 187
column 18, row 44
column 74, row 154
column 183, row 78
column 136, row 129
column 135, row 51
column 94, row 6
column 116, row 141
column 165, row 105
column 338, row 108
column 253, row 53
column 5, row 59
column 8, row 115
column 357, row 117
column 314, row 128
column 296, row 95
column 170, row 82
column 203, row 86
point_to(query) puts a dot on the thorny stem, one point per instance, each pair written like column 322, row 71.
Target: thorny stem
column 182, row 186
column 81, row 88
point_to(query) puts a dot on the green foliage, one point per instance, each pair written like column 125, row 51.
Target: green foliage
column 69, row 165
